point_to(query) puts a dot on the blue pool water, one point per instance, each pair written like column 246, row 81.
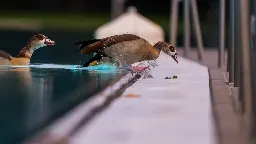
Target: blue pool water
column 101, row 67
column 32, row 96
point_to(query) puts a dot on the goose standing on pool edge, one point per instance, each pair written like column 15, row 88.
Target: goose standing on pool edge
column 125, row 49
column 35, row 42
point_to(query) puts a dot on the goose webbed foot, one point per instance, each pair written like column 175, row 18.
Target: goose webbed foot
column 135, row 69
column 127, row 67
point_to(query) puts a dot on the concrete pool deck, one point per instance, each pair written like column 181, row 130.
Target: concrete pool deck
column 158, row 110
column 165, row 111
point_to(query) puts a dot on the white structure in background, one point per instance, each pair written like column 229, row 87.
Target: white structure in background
column 133, row 23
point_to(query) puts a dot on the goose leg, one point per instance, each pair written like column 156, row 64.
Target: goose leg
column 138, row 68
column 126, row 66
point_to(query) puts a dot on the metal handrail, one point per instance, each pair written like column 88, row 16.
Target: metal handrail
column 240, row 62
column 174, row 21
column 241, row 51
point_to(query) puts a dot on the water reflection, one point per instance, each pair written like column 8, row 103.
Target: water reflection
column 32, row 97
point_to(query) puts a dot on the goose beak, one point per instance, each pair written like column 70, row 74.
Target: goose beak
column 175, row 58
column 49, row 42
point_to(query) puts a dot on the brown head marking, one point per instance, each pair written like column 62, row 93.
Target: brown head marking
column 172, row 48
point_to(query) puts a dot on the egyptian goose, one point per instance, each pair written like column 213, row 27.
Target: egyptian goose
column 23, row 58
column 125, row 49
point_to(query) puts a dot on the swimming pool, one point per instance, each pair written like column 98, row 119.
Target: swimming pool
column 32, row 96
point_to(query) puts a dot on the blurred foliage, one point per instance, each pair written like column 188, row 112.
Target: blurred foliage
column 65, row 21
column 87, row 22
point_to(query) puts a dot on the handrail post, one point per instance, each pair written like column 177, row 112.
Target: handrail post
column 253, row 67
column 221, row 34
column 246, row 71
column 237, row 44
column 230, row 65
column 197, row 29
column 173, row 21
column 236, row 90
column 186, row 27
column 117, row 8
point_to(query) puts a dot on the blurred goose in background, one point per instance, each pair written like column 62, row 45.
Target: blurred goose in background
column 35, row 42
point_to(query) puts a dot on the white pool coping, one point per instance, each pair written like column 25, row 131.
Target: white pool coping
column 167, row 111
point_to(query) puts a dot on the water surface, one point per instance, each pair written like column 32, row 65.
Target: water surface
column 31, row 97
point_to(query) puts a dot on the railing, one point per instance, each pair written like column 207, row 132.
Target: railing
column 240, row 62
column 240, row 65
column 173, row 25
column 241, row 51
